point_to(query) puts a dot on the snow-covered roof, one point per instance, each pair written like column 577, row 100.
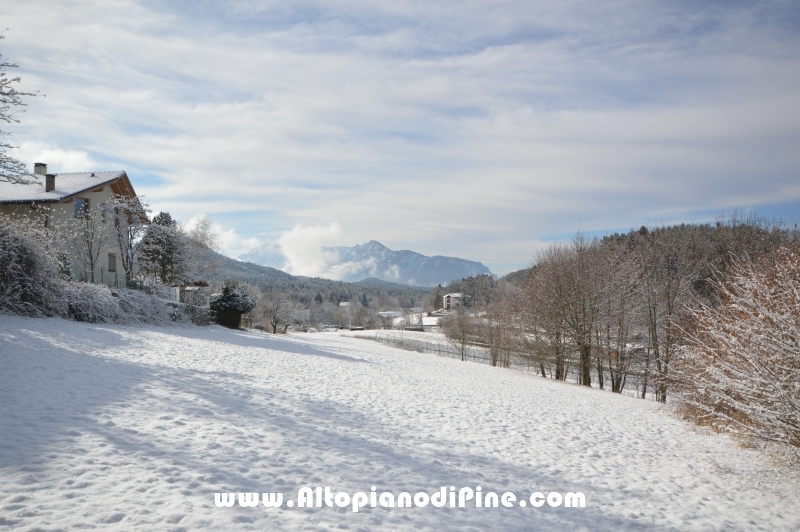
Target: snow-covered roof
column 67, row 184
column 454, row 295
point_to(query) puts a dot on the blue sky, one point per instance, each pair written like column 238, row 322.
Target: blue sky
column 474, row 129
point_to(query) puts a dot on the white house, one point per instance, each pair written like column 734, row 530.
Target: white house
column 452, row 301
column 56, row 197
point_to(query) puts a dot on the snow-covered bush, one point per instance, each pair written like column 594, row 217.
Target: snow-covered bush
column 740, row 371
column 32, row 284
column 100, row 304
column 231, row 304
column 27, row 269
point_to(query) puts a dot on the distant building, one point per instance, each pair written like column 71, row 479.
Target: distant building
column 452, row 301
column 390, row 314
column 344, row 304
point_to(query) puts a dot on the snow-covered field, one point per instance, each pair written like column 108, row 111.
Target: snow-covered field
column 108, row 427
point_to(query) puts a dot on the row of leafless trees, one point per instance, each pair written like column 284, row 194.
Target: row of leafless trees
column 707, row 315
column 590, row 311
column 594, row 305
column 610, row 312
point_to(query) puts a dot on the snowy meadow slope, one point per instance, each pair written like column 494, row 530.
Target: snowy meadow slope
column 126, row 428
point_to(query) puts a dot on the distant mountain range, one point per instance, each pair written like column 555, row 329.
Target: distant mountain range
column 374, row 260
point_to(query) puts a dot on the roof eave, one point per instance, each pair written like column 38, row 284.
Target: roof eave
column 26, row 201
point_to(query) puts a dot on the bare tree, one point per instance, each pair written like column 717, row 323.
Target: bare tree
column 459, row 328
column 202, row 240
column 11, row 169
column 563, row 304
column 279, row 309
column 663, row 285
column 86, row 237
column 580, row 280
column 540, row 308
column 616, row 323
column 128, row 216
column 496, row 324
column 369, row 318
column 365, row 317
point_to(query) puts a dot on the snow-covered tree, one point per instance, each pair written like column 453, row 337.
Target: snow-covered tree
column 173, row 255
column 232, row 303
column 165, row 252
column 366, row 317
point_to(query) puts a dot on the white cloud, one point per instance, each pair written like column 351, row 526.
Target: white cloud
column 344, row 270
column 57, row 160
column 303, row 248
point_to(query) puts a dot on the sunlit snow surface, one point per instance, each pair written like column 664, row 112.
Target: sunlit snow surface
column 121, row 428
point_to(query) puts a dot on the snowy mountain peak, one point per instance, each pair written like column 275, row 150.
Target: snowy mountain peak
column 373, row 259
column 372, row 250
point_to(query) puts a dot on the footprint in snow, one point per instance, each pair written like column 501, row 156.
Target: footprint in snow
column 174, row 519
column 114, row 518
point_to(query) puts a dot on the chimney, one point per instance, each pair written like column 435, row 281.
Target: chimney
column 49, row 182
column 39, row 168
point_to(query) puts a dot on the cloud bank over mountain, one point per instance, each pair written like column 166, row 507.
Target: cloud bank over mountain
column 355, row 263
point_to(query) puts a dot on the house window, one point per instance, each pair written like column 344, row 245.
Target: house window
column 81, row 207
column 112, row 262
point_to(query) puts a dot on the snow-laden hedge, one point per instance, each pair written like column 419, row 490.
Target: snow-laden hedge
column 739, row 370
column 31, row 284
